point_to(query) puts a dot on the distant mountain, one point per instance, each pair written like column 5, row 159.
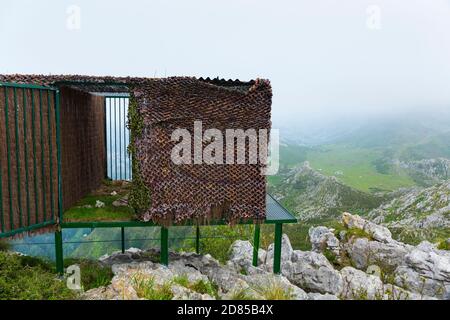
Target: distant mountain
column 311, row 194
column 428, row 171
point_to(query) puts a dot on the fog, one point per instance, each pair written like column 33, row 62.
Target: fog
column 326, row 59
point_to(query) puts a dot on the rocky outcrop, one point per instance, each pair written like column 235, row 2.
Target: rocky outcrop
column 416, row 213
column 317, row 195
column 426, row 271
column 313, row 272
column 370, row 265
column 377, row 232
column 186, row 270
column 323, row 237
column 363, row 253
column 412, row 272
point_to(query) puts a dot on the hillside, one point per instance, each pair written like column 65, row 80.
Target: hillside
column 417, row 213
column 310, row 194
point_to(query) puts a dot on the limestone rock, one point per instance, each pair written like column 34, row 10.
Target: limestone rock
column 319, row 296
column 377, row 232
column 387, row 256
column 322, row 238
column 313, row 272
column 426, row 271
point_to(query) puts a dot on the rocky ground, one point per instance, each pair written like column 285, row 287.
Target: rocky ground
column 417, row 208
column 359, row 261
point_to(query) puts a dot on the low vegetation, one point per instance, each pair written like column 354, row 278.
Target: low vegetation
column 200, row 286
column 28, row 278
column 87, row 209
column 93, row 274
column 4, row 245
column 274, row 291
column 147, row 288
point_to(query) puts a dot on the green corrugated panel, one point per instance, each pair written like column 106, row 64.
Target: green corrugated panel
column 276, row 212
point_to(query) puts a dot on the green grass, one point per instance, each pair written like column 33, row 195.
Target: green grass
column 147, row 288
column 358, row 167
column 78, row 213
column 242, row 294
column 444, row 245
column 4, row 245
column 274, row 291
column 28, row 278
column 93, row 274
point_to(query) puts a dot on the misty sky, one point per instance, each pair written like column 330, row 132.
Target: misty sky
column 323, row 57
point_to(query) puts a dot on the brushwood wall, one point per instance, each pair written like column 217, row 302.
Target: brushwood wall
column 82, row 143
column 28, row 158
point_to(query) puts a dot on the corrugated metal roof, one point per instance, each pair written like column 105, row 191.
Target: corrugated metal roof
column 276, row 212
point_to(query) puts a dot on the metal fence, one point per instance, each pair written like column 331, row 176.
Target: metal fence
column 29, row 157
column 117, row 138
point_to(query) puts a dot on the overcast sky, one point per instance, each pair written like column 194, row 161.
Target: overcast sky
column 322, row 56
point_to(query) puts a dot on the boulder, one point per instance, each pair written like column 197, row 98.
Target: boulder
column 319, row 296
column 377, row 232
column 426, row 271
column 364, row 253
column 313, row 272
column 359, row 285
column 322, row 238
column 262, row 283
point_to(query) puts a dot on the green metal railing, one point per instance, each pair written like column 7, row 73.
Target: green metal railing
column 29, row 169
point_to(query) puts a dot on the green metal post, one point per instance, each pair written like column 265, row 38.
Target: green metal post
column 256, row 244
column 123, row 238
column 277, row 248
column 59, row 252
column 197, row 240
column 164, row 255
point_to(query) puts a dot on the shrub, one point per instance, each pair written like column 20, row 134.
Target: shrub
column 26, row 278
column 4, row 245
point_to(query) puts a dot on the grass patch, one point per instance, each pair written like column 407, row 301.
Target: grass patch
column 275, row 291
column 444, row 245
column 207, row 287
column 355, row 233
column 242, row 294
column 4, row 245
column 28, row 278
column 200, row 286
column 85, row 210
column 93, row 274
column 358, row 167
column 147, row 288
